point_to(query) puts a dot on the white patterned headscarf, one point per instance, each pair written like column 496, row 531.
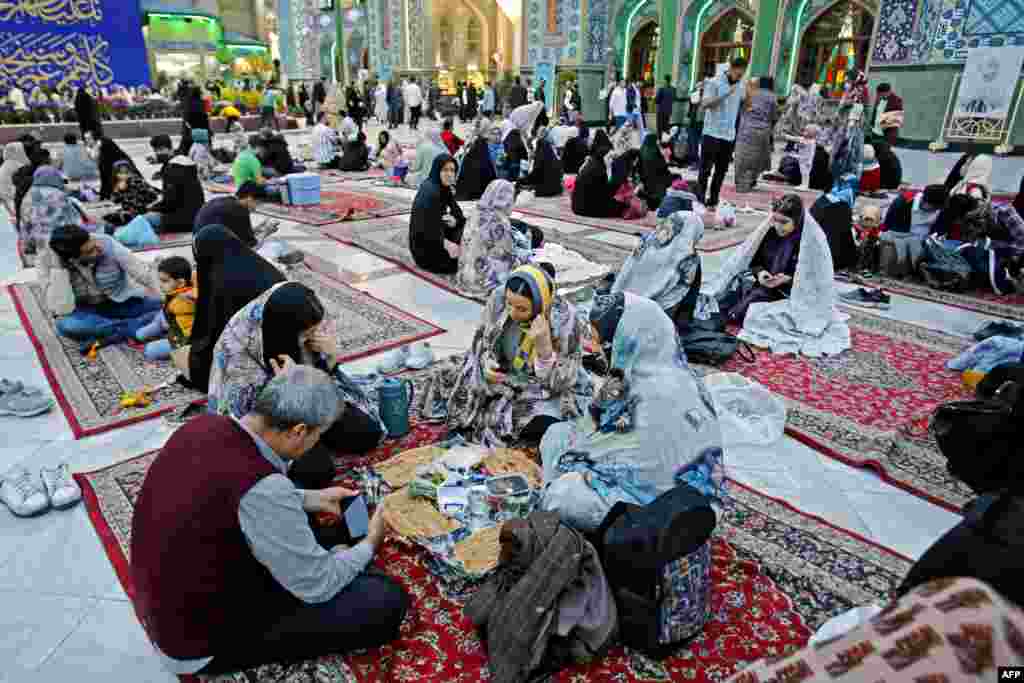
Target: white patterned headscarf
column 664, row 264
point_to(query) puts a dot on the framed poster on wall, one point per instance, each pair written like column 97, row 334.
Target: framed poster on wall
column 989, row 81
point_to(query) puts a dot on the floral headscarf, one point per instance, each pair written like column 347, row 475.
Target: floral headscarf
column 491, row 246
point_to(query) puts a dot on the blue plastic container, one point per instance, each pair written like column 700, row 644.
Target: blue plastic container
column 395, row 398
column 302, row 189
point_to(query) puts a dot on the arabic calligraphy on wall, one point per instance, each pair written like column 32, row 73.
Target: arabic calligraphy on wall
column 55, row 60
column 61, row 12
column 71, row 43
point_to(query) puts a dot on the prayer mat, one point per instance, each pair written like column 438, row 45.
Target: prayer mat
column 1010, row 306
column 870, row 405
column 388, row 239
column 89, row 391
column 336, row 175
column 167, row 241
column 336, row 205
column 715, row 239
column 778, row 575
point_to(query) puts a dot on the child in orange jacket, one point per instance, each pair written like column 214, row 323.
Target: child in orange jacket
column 178, row 314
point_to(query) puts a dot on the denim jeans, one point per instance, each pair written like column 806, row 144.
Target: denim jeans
column 157, row 348
column 109, row 319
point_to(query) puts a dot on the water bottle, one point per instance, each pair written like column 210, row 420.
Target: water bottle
column 395, row 398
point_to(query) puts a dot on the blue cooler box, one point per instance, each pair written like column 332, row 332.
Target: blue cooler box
column 301, row 189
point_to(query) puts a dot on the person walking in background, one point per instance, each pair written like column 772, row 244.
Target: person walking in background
column 319, row 96
column 414, row 100
column 888, row 118
column 618, row 104
column 394, row 105
column 664, row 101
column 721, row 104
column 488, row 103
column 517, row 96
column 268, row 107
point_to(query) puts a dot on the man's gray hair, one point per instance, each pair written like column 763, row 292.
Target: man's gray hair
column 303, row 395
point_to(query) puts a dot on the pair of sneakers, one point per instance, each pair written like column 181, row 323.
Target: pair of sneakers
column 20, row 401
column 408, row 357
column 27, row 496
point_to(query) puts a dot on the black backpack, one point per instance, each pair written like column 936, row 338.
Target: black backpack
column 657, row 560
column 705, row 341
column 944, row 269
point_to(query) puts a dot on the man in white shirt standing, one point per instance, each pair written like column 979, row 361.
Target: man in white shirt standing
column 414, row 100
column 721, row 104
column 325, row 143
column 617, row 103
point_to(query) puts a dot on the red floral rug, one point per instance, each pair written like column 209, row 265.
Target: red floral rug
column 778, row 575
column 337, row 205
column 870, row 405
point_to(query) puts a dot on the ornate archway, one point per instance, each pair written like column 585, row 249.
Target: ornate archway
column 643, row 53
column 834, row 45
column 729, row 35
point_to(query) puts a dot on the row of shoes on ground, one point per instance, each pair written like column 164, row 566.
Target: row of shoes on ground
column 408, row 357
column 21, row 401
column 866, row 298
column 26, row 495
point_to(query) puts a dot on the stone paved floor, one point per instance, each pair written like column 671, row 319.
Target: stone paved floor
column 63, row 614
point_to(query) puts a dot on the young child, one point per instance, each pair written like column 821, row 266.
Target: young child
column 868, row 229
column 200, row 153
column 452, row 141
column 75, row 161
column 175, row 320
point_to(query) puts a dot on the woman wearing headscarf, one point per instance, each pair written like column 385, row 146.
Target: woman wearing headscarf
column 278, row 157
column 834, row 213
column 594, row 193
column 194, row 117
column 109, row 154
column 791, row 123
column 88, row 114
column 848, row 148
column 182, row 198
column 577, row 148
column 430, row 147
column 14, row 159
column 229, row 275
column 491, row 246
column 388, row 153
column 651, row 429
column 380, row 99
column 513, row 155
column 132, row 193
column 477, row 171
column 655, row 176
column 282, row 326
column 522, row 119
column 48, row 207
column 665, row 266
column 356, row 156
column 354, row 106
column 753, row 153
column 524, row 369
column 791, row 306
column 436, row 223
column 546, row 175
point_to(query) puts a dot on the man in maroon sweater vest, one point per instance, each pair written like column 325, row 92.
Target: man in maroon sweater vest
column 226, row 570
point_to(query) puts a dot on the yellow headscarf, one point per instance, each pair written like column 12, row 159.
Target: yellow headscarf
column 540, row 288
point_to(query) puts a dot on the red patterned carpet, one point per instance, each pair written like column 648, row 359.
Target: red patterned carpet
column 870, row 405
column 778, row 575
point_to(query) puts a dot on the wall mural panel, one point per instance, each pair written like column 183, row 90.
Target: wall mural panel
column 597, row 32
column 300, row 41
column 562, row 44
column 928, row 31
column 418, row 57
column 71, row 43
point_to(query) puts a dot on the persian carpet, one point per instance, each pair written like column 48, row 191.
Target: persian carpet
column 388, row 238
column 778, row 575
column 89, row 391
column 870, row 405
column 336, row 205
column 980, row 301
column 715, row 239
column 334, row 174
column 167, row 241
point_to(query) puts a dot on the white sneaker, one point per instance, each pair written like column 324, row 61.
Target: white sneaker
column 60, row 487
column 420, row 356
column 23, row 494
column 394, row 361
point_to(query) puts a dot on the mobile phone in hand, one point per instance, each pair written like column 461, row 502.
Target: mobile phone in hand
column 357, row 519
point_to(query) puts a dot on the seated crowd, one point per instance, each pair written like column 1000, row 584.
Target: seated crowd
column 604, row 393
